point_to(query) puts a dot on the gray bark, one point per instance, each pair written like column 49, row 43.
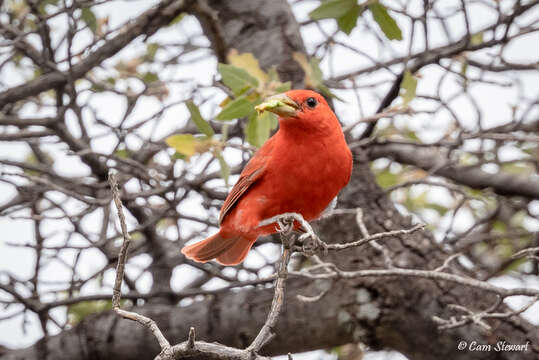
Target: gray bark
column 472, row 176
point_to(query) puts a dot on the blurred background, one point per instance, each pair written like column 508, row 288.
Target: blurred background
column 439, row 101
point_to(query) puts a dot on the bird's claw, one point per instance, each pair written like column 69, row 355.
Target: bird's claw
column 311, row 244
column 285, row 226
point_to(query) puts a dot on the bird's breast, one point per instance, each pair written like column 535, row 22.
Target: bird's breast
column 306, row 176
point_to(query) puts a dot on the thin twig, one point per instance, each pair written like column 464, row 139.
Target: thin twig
column 376, row 236
column 122, row 257
column 425, row 274
column 267, row 331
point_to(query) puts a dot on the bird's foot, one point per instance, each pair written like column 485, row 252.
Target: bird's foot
column 311, row 243
column 285, row 226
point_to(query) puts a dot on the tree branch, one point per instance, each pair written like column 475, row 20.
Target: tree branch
column 474, row 177
column 146, row 24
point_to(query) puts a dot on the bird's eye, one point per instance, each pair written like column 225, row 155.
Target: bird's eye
column 311, row 102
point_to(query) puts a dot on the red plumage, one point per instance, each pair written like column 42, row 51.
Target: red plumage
column 301, row 168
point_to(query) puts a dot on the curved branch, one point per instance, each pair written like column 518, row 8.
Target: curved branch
column 426, row 159
column 146, row 24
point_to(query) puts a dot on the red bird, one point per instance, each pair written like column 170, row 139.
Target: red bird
column 299, row 169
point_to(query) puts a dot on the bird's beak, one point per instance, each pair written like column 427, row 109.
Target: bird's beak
column 280, row 104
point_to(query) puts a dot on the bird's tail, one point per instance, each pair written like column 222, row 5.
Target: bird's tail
column 227, row 250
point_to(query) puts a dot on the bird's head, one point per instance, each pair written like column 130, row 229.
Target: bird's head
column 298, row 106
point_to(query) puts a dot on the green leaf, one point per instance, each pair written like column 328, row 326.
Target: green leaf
column 238, row 80
column 313, row 75
column 411, row 135
column 416, row 203
column 440, row 209
column 178, row 18
column 235, row 109
column 224, row 132
column 249, row 63
column 387, row 179
column 386, row 23
column 149, row 77
column 519, row 168
column 97, row 88
column 468, row 159
column 283, row 87
column 17, row 57
column 122, row 153
column 332, row 9
column 259, row 128
column 348, row 21
column 518, row 219
column 273, row 74
column 514, row 265
column 89, row 18
column 151, row 50
column 318, row 77
column 77, row 312
column 499, row 226
column 316, row 71
column 178, row 156
column 199, row 121
column 251, row 131
column 31, row 159
column 274, row 121
column 476, row 39
column 188, row 145
column 225, row 169
column 408, row 87
column 464, row 67
column 37, row 73
column 183, row 143
column 111, row 80
column 43, row 4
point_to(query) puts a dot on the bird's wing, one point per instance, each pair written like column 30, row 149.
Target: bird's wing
column 252, row 172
